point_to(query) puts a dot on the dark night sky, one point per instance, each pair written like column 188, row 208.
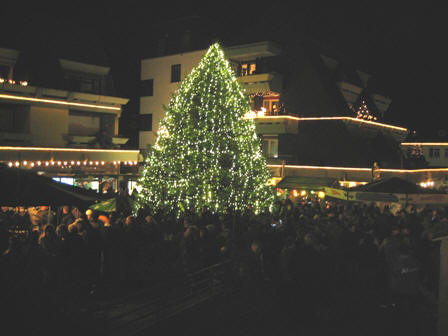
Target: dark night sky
column 400, row 45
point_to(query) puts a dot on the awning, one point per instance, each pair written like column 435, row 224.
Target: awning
column 26, row 188
column 305, row 182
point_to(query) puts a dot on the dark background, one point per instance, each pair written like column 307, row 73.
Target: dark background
column 401, row 45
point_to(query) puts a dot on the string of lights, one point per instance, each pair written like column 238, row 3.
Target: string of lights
column 206, row 154
column 68, row 163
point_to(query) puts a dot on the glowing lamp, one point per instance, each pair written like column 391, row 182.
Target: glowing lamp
column 295, row 193
column 303, row 193
column 321, row 194
column 10, row 164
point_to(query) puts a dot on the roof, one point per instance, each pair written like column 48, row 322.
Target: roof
column 305, row 182
column 392, row 185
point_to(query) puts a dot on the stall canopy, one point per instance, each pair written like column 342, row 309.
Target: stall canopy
column 391, row 190
column 26, row 188
column 110, row 205
column 392, row 185
column 305, row 182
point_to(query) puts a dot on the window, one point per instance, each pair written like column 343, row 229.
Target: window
column 82, row 83
column 4, row 71
column 272, row 104
column 436, row 152
column 269, row 147
column 14, row 118
column 248, row 68
column 83, row 124
column 175, row 73
column 147, row 88
column 146, row 122
column 431, row 152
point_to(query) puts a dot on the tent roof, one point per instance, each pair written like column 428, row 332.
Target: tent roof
column 26, row 188
column 392, row 185
column 306, row 182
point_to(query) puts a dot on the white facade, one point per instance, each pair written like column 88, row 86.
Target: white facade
column 435, row 153
column 159, row 70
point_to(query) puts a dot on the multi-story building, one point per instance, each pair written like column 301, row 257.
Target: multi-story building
column 317, row 117
column 69, row 132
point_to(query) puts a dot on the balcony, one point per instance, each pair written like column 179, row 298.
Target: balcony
column 276, row 125
column 14, row 139
column 264, row 82
column 252, row 50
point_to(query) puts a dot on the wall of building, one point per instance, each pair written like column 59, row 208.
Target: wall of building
column 159, row 69
column 436, row 156
column 48, row 126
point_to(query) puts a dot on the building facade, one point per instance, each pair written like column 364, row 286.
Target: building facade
column 70, row 132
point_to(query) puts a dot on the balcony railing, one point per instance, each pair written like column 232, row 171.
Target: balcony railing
column 89, row 140
column 265, row 82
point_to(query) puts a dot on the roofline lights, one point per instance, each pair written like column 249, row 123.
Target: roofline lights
column 321, row 167
column 60, row 102
column 424, row 144
column 331, row 118
column 429, row 170
column 69, row 149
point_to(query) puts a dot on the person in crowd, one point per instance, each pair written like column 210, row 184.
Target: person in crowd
column 67, row 217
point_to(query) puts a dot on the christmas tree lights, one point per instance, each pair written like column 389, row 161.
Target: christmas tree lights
column 363, row 112
column 206, row 154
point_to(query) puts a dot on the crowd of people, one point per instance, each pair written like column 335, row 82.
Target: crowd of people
column 326, row 255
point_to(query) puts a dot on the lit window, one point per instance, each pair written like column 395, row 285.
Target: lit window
column 248, row 69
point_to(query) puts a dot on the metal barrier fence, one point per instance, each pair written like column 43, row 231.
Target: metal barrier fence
column 134, row 314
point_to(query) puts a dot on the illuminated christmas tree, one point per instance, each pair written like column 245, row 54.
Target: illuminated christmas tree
column 206, row 154
column 363, row 112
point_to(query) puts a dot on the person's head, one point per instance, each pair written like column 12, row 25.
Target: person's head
column 256, row 246
column 61, row 231
column 395, row 230
column 89, row 214
column 308, row 239
column 105, row 220
column 202, row 233
column 65, row 209
column 49, row 230
column 129, row 221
